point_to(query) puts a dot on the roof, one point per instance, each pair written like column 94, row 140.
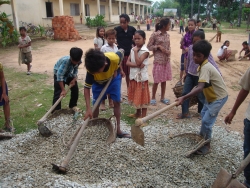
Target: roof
column 174, row 10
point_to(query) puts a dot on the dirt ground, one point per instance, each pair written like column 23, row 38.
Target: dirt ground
column 46, row 53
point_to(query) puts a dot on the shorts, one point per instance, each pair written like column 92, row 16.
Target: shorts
column 26, row 58
column 1, row 91
column 114, row 90
column 182, row 61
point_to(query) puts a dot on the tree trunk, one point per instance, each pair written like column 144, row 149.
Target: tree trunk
column 240, row 13
column 207, row 9
column 15, row 20
column 198, row 16
column 192, row 8
column 248, row 21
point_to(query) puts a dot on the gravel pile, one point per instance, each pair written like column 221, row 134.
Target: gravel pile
column 26, row 159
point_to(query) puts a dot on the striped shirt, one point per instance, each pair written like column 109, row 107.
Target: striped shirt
column 64, row 69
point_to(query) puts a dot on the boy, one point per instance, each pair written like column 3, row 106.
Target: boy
column 213, row 87
column 218, row 36
column 25, row 47
column 124, row 36
column 81, row 18
column 100, row 68
column 65, row 72
column 4, row 101
column 245, row 48
column 245, row 88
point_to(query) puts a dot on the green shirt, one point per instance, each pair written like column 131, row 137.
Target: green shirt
column 218, row 27
column 181, row 23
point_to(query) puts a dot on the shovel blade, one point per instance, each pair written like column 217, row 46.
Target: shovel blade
column 222, row 180
column 44, row 131
column 137, row 135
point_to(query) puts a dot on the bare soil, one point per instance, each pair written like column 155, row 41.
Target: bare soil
column 46, row 53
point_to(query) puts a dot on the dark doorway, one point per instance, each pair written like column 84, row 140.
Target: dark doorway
column 49, row 9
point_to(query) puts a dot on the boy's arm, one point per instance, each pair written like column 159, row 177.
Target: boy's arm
column 194, row 92
column 241, row 97
column 88, row 112
column 240, row 52
column 24, row 45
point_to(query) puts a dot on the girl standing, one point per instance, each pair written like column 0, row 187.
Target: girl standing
column 138, row 91
column 99, row 40
column 223, row 52
column 159, row 43
column 187, row 41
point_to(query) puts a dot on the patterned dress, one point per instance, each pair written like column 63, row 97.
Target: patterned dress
column 162, row 71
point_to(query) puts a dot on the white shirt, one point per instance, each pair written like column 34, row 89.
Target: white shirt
column 108, row 48
column 24, row 41
column 221, row 51
column 134, row 70
column 99, row 41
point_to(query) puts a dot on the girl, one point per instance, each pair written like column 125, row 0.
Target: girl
column 218, row 36
column 159, row 43
column 245, row 48
column 148, row 23
column 99, row 40
column 138, row 91
column 25, row 48
column 187, row 41
column 223, row 53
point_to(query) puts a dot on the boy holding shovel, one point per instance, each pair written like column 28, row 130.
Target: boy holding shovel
column 100, row 68
column 245, row 88
column 214, row 89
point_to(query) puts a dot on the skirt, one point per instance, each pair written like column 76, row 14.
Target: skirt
column 138, row 94
column 162, row 72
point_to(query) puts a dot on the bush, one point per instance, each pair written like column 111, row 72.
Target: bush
column 96, row 22
column 6, row 36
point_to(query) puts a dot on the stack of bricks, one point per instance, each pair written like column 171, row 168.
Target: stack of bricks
column 64, row 28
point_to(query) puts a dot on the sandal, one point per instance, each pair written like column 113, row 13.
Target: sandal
column 133, row 116
column 165, row 101
column 8, row 127
column 153, row 102
column 203, row 151
column 123, row 135
column 183, row 116
column 102, row 107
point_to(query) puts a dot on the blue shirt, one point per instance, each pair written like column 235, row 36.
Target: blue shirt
column 64, row 69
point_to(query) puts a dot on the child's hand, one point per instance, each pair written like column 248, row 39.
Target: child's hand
column 5, row 98
column 123, row 74
column 136, row 49
column 63, row 93
column 179, row 101
column 229, row 118
column 19, row 46
column 88, row 114
column 141, row 66
column 73, row 82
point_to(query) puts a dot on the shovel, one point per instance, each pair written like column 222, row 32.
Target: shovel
column 78, row 134
column 226, row 180
column 136, row 132
column 44, row 131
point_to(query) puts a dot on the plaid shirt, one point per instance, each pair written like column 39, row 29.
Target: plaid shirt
column 64, row 69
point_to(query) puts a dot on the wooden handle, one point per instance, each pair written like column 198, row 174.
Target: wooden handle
column 140, row 121
column 79, row 132
column 53, row 107
column 243, row 165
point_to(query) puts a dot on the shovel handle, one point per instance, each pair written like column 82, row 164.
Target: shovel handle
column 53, row 107
column 243, row 165
column 140, row 121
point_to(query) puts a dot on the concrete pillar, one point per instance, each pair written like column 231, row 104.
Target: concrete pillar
column 139, row 11
column 134, row 8
column 14, row 14
column 98, row 7
column 143, row 11
column 61, row 7
column 127, row 9
column 147, row 10
column 82, row 10
column 150, row 9
column 110, row 10
column 120, row 8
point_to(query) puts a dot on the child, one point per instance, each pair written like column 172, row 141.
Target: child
column 181, row 26
column 25, row 47
column 109, row 47
column 148, row 23
column 198, row 25
column 100, row 68
column 218, row 36
column 65, row 72
column 245, row 88
column 124, row 37
column 99, row 40
column 214, row 89
column 182, row 56
column 138, row 20
column 138, row 91
column 223, row 53
column 81, row 18
column 245, row 48
column 159, row 43
column 187, row 41
column 191, row 78
column 4, row 101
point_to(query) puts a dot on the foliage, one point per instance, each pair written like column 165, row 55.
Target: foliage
column 7, row 37
column 4, row 2
column 96, row 22
column 159, row 13
column 42, row 30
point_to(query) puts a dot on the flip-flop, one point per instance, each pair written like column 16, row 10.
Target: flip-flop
column 181, row 116
column 132, row 116
column 165, row 101
column 203, row 151
column 153, row 102
column 123, row 135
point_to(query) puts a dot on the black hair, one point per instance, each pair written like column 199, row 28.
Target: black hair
column 202, row 46
column 94, row 60
column 76, row 53
column 125, row 16
column 22, row 28
column 110, row 32
column 199, row 33
column 186, row 29
column 192, row 20
column 98, row 29
column 224, row 43
column 245, row 43
column 198, row 21
column 163, row 23
column 142, row 33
